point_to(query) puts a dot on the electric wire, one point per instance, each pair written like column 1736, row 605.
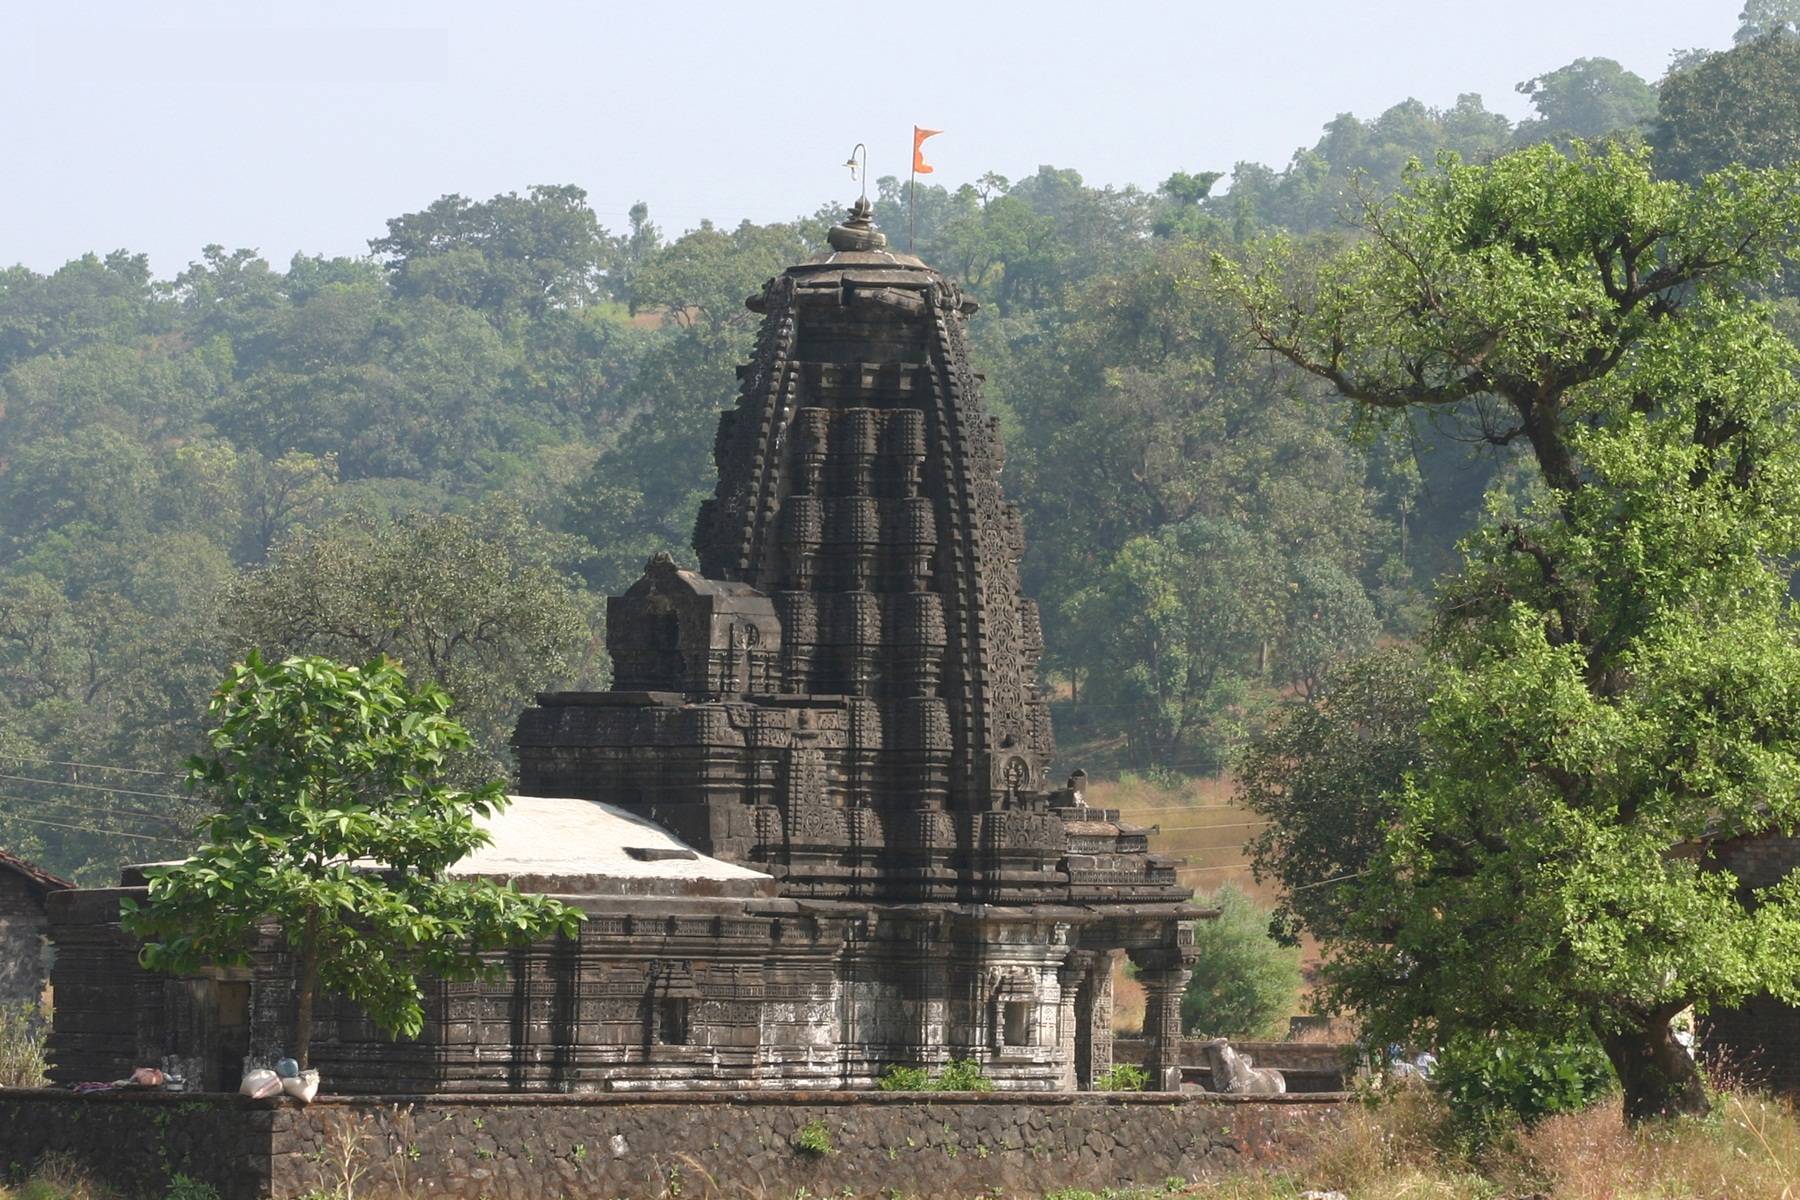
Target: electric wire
column 63, row 762
column 103, row 810
column 92, row 787
column 143, row 837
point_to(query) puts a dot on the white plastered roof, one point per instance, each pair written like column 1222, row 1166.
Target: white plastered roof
column 562, row 836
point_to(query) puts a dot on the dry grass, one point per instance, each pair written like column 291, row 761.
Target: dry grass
column 1404, row 1147
column 1196, row 821
column 1748, row 1149
column 23, row 1029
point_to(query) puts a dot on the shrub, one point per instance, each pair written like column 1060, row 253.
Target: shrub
column 1244, row 982
column 1491, row 1082
column 904, row 1079
column 1124, row 1077
column 183, row 1188
column 813, row 1139
column 23, row 1029
column 963, row 1075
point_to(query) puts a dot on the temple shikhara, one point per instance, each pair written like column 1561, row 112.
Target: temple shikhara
column 813, row 826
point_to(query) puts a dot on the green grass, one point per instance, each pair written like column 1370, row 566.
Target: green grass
column 813, row 1139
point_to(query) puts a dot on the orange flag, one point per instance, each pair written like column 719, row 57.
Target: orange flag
column 920, row 166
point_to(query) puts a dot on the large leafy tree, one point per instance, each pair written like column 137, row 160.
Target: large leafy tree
column 1198, row 530
column 476, row 605
column 1311, row 193
column 1616, row 660
column 1739, row 106
column 1589, row 98
column 1176, row 614
column 1760, row 18
column 1244, row 983
column 507, row 256
column 1326, row 773
column 334, row 828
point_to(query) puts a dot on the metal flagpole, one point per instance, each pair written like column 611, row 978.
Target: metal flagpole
column 912, row 201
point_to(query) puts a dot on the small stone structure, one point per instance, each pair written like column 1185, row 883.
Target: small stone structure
column 659, row 1145
column 1306, row 1066
column 827, row 751
column 1758, row 1041
column 25, row 890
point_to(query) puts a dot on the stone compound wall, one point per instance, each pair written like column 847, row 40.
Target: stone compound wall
column 719, row 1145
column 136, row 1144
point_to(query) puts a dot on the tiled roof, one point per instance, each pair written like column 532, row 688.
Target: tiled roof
column 33, row 873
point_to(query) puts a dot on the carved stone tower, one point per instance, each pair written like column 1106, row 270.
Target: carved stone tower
column 845, row 694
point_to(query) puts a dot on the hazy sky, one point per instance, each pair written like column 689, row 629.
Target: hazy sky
column 161, row 126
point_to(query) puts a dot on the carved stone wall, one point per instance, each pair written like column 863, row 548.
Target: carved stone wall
column 665, row 993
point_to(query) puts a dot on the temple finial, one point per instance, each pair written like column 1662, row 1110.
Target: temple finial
column 857, row 231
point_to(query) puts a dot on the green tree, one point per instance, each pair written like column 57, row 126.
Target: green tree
column 1312, row 192
column 631, row 253
column 1329, row 618
column 1244, row 982
column 1761, row 18
column 319, row 771
column 702, row 278
column 476, row 606
column 510, row 255
column 1150, row 412
column 1326, row 775
column 1177, row 616
column 1590, row 98
column 1739, row 106
column 1617, row 653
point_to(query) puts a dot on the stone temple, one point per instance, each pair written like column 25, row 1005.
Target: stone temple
column 812, row 826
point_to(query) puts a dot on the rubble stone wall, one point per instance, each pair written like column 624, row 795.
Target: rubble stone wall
column 136, row 1144
column 749, row 1144
column 22, row 925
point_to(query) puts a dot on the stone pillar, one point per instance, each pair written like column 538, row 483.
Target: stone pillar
column 1163, row 985
column 1093, row 1017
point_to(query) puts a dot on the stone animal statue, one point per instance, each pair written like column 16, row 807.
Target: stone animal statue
column 1234, row 1072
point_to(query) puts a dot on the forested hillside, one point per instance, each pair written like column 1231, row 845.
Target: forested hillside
column 452, row 449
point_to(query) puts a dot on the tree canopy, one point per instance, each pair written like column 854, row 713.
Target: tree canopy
column 333, row 828
column 1613, row 664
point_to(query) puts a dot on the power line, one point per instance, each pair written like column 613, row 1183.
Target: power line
column 104, row 810
column 62, row 762
column 1232, row 825
column 143, row 837
column 1131, row 809
column 92, row 787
